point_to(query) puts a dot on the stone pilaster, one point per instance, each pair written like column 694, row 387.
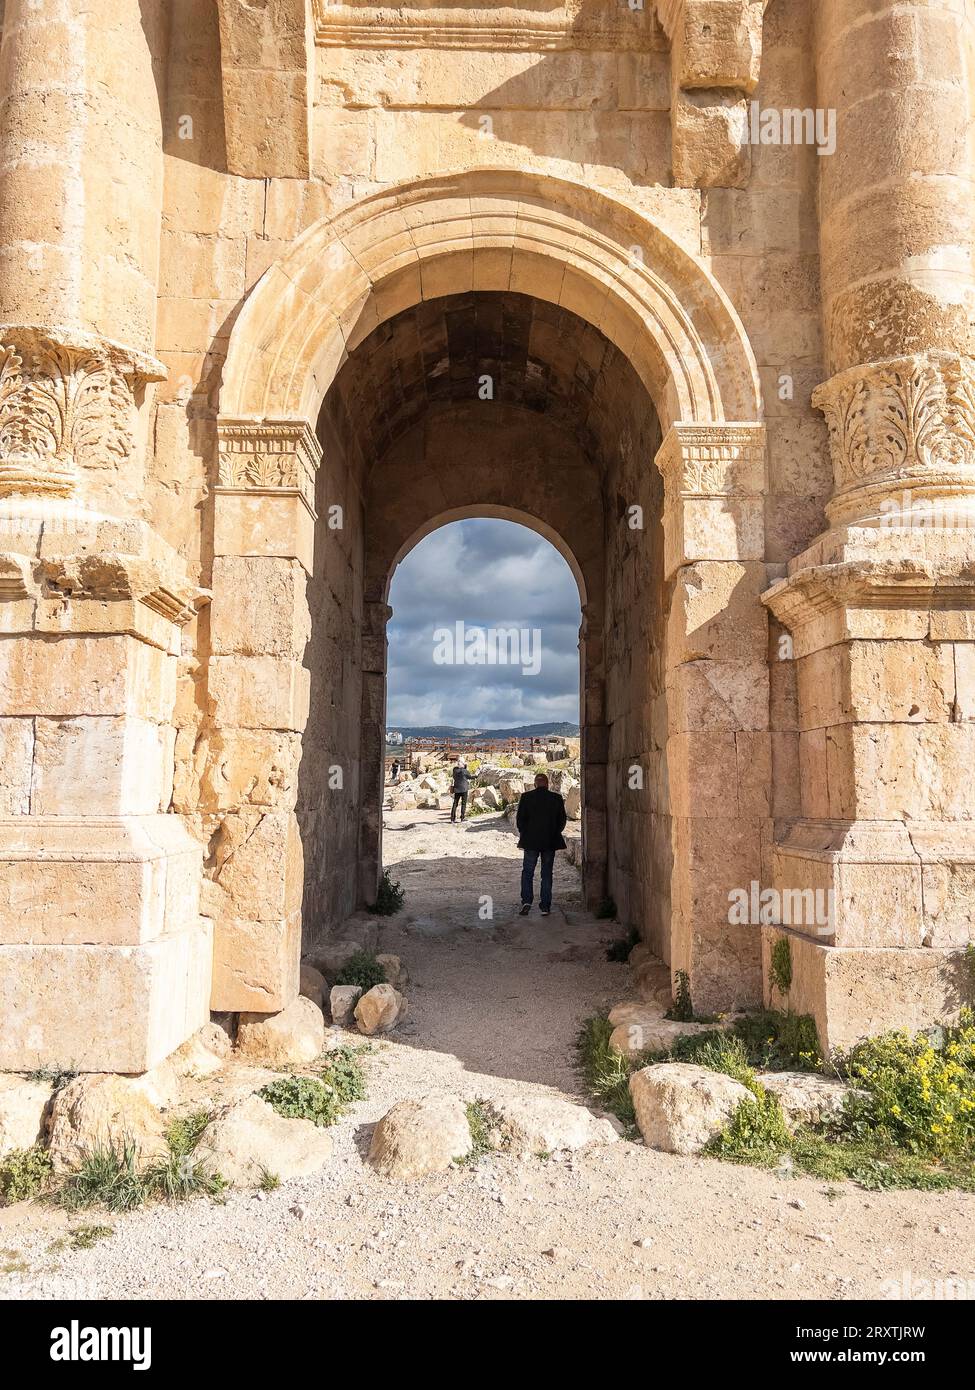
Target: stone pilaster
column 99, row 886
column 257, row 708
column 718, row 747
column 594, row 758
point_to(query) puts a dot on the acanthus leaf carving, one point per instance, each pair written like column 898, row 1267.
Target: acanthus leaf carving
column 909, row 419
column 63, row 407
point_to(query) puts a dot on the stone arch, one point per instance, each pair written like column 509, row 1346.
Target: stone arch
column 501, row 230
column 580, row 250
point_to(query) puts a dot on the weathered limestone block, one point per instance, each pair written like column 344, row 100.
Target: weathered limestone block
column 250, row 1139
column 266, row 74
column 853, row 992
column 292, row 1037
column 545, row 1125
column 680, row 1107
column 265, row 612
column 100, row 1111
column 805, row 1097
column 422, row 1136
column 70, row 880
column 131, row 1006
column 24, row 1105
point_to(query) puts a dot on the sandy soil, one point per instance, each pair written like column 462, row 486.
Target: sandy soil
column 495, row 1004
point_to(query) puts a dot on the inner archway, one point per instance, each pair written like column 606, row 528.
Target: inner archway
column 497, row 405
column 349, row 396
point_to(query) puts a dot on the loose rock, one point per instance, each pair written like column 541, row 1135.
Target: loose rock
column 23, row 1111
column 251, row 1139
column 96, row 1111
column 341, row 1001
column 680, row 1107
column 293, row 1037
column 379, row 1010
column 421, row 1136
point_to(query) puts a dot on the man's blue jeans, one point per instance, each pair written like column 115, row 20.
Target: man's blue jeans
column 531, row 858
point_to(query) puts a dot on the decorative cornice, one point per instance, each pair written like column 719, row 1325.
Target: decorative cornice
column 713, row 461
column 902, row 425
column 532, row 26
column 66, row 403
column 269, row 456
column 898, row 585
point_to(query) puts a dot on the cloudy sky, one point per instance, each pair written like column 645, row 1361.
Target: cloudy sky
column 485, row 574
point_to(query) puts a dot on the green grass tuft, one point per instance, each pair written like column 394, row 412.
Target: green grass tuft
column 390, row 897
column 362, row 969
column 24, row 1174
column 303, row 1098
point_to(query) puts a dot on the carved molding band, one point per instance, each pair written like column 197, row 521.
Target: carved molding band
column 269, row 456
column 65, row 404
column 713, row 461
column 532, row 25
column 904, row 425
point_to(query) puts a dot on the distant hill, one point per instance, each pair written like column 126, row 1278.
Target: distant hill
column 556, row 730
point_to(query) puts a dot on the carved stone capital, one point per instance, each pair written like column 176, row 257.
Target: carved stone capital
column 66, row 403
column 902, row 427
column 714, row 480
column 713, row 461
column 269, row 456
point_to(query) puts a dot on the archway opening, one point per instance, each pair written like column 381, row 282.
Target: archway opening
column 495, row 405
column 484, row 691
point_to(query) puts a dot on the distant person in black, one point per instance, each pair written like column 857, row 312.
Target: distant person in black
column 462, row 785
column 394, row 771
column 541, row 820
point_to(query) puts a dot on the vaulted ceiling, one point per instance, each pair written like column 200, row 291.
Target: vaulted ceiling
column 538, row 356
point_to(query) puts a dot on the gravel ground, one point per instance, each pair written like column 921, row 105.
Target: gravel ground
column 494, row 1007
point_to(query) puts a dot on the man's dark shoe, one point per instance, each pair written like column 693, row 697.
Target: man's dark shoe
column 525, row 909
column 545, row 911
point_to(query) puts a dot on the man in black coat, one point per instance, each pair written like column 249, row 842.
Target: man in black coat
column 541, row 820
column 462, row 786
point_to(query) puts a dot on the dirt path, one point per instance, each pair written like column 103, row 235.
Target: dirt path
column 495, row 1004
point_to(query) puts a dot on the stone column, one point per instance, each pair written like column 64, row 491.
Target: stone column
column 99, row 886
column 881, row 607
column 719, row 745
column 257, row 708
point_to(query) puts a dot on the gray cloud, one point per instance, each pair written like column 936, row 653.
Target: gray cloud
column 484, row 573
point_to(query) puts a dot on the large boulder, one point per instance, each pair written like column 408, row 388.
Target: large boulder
column 680, row 1107
column 98, row 1111
column 23, row 1112
column 546, row 1124
column 379, row 1010
column 291, row 1038
column 573, row 801
column 489, row 775
column 805, row 1097
column 421, row 1136
column 488, row 799
column 342, row 1000
column 250, row 1139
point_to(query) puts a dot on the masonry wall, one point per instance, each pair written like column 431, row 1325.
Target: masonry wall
column 328, row 806
column 636, row 616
